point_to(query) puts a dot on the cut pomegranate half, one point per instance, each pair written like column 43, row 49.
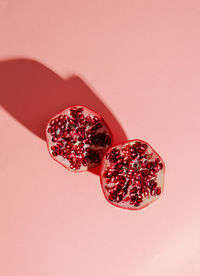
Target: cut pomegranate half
column 77, row 138
column 132, row 175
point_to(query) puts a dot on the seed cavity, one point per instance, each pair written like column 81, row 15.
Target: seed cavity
column 80, row 139
column 134, row 177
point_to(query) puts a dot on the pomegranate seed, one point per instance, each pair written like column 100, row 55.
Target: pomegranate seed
column 111, row 190
column 133, row 190
column 121, row 192
column 81, row 117
column 148, row 166
column 156, row 169
column 71, row 122
column 152, row 173
column 122, row 181
column 60, row 144
column 154, row 186
column 74, row 108
column 153, row 192
column 139, row 174
column 141, row 150
column 96, row 119
column 129, row 176
column 118, row 198
column 110, row 197
column 80, row 110
column 158, row 191
column 137, row 144
column 115, row 189
column 137, row 182
column 132, row 201
column 116, row 179
column 112, row 179
column 52, row 122
column 108, row 155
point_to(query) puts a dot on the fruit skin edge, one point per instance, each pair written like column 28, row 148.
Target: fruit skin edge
column 47, row 125
column 101, row 177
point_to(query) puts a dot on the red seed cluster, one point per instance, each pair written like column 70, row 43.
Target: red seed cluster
column 78, row 138
column 132, row 174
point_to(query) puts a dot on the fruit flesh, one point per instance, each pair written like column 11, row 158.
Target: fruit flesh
column 77, row 138
column 132, row 175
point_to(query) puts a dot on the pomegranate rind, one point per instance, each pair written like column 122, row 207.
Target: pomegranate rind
column 49, row 143
column 104, row 166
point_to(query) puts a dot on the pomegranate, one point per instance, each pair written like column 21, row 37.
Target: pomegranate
column 77, row 138
column 132, row 175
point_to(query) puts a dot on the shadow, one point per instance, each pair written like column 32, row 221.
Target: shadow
column 32, row 94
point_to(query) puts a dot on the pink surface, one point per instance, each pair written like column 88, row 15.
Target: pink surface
column 137, row 63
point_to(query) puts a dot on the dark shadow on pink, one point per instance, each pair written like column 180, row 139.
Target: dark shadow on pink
column 32, row 94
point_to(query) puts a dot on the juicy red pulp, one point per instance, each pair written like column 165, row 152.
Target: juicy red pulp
column 130, row 174
column 79, row 138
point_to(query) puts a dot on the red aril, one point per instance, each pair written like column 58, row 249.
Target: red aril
column 77, row 138
column 132, row 175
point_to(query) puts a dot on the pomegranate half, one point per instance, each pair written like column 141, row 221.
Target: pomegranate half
column 77, row 138
column 132, row 175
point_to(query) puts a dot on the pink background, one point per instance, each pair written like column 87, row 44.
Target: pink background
column 137, row 63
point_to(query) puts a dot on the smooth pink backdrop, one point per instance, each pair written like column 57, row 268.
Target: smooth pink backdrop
column 140, row 63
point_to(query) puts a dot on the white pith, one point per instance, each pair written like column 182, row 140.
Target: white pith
column 146, row 200
column 86, row 112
